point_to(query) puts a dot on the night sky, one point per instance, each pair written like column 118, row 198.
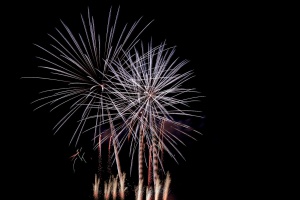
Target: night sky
column 40, row 160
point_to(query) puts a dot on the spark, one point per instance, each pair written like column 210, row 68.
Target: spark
column 76, row 156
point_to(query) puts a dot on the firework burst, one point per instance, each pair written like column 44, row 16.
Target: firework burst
column 121, row 90
column 150, row 93
column 79, row 64
column 150, row 87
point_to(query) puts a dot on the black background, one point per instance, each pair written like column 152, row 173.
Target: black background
column 210, row 35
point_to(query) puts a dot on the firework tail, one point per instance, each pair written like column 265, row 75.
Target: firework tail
column 107, row 189
column 140, row 161
column 150, row 167
column 148, row 193
column 139, row 191
column 149, row 190
column 120, row 174
column 141, row 154
column 157, row 189
column 166, row 186
column 115, row 146
column 99, row 157
column 109, row 156
column 96, row 188
column 122, row 188
column 114, row 187
column 117, row 159
column 161, row 141
column 155, row 159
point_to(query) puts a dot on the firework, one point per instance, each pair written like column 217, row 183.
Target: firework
column 122, row 187
column 139, row 190
column 120, row 90
column 96, row 188
column 114, row 187
column 107, row 188
column 150, row 88
column 157, row 189
column 166, row 186
column 148, row 193
column 79, row 64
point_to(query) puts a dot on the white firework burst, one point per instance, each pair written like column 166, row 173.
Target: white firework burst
column 120, row 90
column 149, row 91
column 79, row 64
